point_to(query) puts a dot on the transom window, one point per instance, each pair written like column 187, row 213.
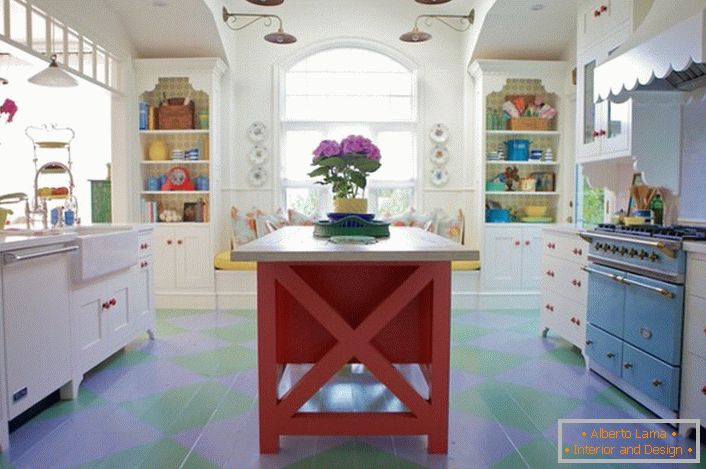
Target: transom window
column 342, row 91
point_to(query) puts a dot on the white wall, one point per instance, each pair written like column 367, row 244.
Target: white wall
column 441, row 83
column 693, row 163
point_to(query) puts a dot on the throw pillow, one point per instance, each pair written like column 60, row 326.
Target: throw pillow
column 299, row 219
column 450, row 227
column 244, row 226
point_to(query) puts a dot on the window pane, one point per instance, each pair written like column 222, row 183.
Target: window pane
column 592, row 205
column 393, row 201
column 18, row 21
column 39, row 32
column 304, row 200
column 398, row 157
column 298, row 148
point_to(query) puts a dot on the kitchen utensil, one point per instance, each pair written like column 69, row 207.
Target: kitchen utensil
column 642, row 195
column 497, row 215
column 517, row 149
column 536, row 210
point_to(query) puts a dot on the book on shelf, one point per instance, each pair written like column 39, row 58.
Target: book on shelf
column 150, row 212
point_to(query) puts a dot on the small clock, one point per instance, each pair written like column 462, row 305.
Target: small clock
column 178, row 180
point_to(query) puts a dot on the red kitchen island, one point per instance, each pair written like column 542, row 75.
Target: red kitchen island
column 384, row 307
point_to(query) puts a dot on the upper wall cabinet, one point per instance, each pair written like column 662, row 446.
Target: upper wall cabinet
column 598, row 18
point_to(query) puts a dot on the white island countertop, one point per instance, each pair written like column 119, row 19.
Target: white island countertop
column 298, row 244
column 698, row 247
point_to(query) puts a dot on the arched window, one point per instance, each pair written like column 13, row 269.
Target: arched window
column 340, row 91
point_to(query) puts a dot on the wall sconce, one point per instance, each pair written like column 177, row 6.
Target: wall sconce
column 279, row 37
column 417, row 35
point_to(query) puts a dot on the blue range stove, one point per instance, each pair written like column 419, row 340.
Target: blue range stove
column 635, row 309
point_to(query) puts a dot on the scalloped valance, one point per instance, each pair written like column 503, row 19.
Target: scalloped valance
column 671, row 38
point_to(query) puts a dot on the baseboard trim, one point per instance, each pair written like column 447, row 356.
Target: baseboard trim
column 236, row 300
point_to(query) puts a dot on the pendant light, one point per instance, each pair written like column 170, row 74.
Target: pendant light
column 430, row 2
column 278, row 37
column 268, row 3
column 417, row 35
column 53, row 76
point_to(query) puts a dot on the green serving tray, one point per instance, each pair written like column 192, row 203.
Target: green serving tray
column 351, row 226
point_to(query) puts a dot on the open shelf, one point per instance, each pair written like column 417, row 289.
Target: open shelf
column 522, row 132
column 173, row 162
column 519, row 193
column 522, row 163
column 175, row 192
column 175, row 131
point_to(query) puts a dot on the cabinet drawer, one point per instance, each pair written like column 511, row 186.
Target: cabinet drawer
column 567, row 247
column 606, row 300
column 567, row 318
column 653, row 321
column 565, row 278
column 693, row 388
column 696, row 275
column 600, row 18
column 653, row 377
column 695, row 326
column 144, row 244
column 604, row 349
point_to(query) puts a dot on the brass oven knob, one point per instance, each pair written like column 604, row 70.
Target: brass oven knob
column 643, row 254
column 610, row 355
column 606, row 247
column 627, row 366
column 654, row 256
column 598, row 246
column 623, row 251
column 632, row 252
column 614, row 249
column 656, row 382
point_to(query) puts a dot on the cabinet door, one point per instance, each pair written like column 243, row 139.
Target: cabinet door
column 531, row 257
column 194, row 260
column 142, row 296
column 614, row 129
column 37, row 328
column 120, row 323
column 502, row 264
column 588, row 113
column 90, row 328
column 164, row 258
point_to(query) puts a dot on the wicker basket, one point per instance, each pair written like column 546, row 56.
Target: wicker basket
column 528, row 123
column 175, row 117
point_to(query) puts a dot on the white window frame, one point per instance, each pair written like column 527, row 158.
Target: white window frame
column 280, row 125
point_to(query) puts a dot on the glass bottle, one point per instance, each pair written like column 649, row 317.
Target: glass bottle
column 657, row 207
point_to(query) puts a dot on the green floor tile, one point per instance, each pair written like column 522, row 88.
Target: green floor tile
column 188, row 407
column 530, row 328
column 538, row 454
column 245, row 313
column 490, row 400
column 165, row 328
column 615, row 397
column 465, row 332
column 177, row 313
column 542, row 408
column 220, row 362
column 354, row 455
column 163, row 454
column 567, row 354
column 485, row 362
column 243, row 332
column 86, row 399
column 125, row 358
column 5, row 462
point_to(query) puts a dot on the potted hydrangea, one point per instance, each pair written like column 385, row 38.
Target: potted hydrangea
column 346, row 166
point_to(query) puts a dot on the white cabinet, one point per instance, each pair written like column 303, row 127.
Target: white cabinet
column 599, row 18
column 183, row 259
column 693, row 375
column 37, row 335
column 143, row 299
column 511, row 257
column 564, row 285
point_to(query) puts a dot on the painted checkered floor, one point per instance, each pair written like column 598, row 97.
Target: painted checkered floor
column 188, row 400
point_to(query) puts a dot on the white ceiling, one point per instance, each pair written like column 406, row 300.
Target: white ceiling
column 512, row 30
column 180, row 28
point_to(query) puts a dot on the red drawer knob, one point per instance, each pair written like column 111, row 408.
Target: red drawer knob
column 169, row 241
column 106, row 305
column 603, row 8
column 595, row 132
column 596, row 13
column 601, row 132
column 146, row 263
column 703, row 390
column 527, row 243
column 112, row 302
column 180, row 242
column 578, row 322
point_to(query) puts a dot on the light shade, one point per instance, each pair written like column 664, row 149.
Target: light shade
column 431, row 2
column 267, row 3
column 53, row 76
column 280, row 37
column 415, row 35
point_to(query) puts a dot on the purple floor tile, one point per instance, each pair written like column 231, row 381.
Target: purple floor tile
column 556, row 378
column 182, row 344
column 529, row 345
column 200, row 322
column 252, row 345
column 89, row 435
column 141, row 380
column 246, row 383
column 30, row 434
column 462, row 381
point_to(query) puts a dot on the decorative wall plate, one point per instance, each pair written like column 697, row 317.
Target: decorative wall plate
column 439, row 176
column 257, row 132
column 439, row 154
column 257, row 176
column 258, row 154
column 439, row 133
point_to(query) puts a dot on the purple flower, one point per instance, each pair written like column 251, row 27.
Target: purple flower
column 356, row 144
column 326, row 149
column 374, row 153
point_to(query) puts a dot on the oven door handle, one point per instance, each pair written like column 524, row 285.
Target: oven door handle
column 662, row 291
column 11, row 257
column 616, row 278
column 661, row 245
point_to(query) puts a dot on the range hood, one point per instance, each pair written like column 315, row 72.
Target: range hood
column 666, row 52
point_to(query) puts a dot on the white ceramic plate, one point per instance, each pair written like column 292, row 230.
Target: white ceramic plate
column 439, row 154
column 439, row 133
column 257, row 132
column 258, row 154
column 439, row 176
column 257, row 176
